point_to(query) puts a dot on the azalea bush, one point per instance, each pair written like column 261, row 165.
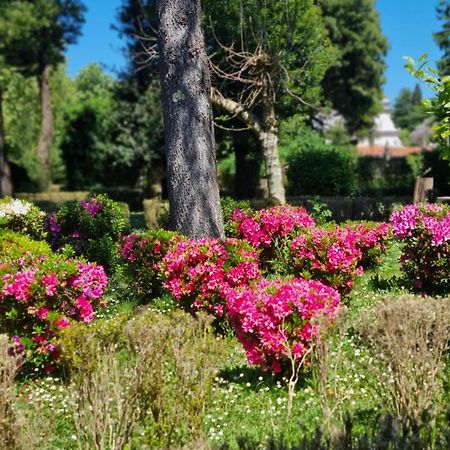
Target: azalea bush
column 15, row 245
column 92, row 227
column 373, row 239
column 270, row 232
column 329, row 255
column 199, row 274
column 277, row 321
column 424, row 230
column 23, row 217
column 141, row 254
column 39, row 296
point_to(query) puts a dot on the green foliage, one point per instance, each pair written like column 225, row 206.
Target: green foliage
column 442, row 37
column 408, row 109
column 91, row 227
column 229, row 205
column 87, row 116
column 292, row 35
column 33, row 33
column 353, row 82
column 15, row 245
column 317, row 168
column 439, row 105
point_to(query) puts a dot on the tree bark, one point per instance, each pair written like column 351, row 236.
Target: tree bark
column 191, row 162
column 6, row 187
column 267, row 133
column 269, row 144
column 46, row 130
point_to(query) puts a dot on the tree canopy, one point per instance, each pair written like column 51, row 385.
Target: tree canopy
column 353, row 83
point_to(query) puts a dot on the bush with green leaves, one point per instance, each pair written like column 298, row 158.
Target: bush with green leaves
column 23, row 217
column 15, row 245
column 318, row 168
column 92, row 227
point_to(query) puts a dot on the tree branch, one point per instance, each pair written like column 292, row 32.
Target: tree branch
column 237, row 110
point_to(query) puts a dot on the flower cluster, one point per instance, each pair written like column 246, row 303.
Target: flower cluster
column 373, row 239
column 200, row 273
column 424, row 229
column 267, row 225
column 331, row 255
column 142, row 253
column 22, row 216
column 92, row 227
column 40, row 296
column 277, row 320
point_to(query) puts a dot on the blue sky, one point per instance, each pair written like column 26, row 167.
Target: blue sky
column 408, row 25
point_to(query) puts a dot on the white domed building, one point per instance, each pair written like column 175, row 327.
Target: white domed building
column 384, row 132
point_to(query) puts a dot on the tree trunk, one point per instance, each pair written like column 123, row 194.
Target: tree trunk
column 267, row 133
column 46, row 131
column 6, row 187
column 269, row 144
column 191, row 162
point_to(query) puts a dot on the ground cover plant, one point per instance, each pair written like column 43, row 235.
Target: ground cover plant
column 307, row 359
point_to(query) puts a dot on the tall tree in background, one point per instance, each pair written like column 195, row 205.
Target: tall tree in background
column 191, row 163
column 35, row 34
column 353, row 84
column 442, row 37
column 268, row 59
column 408, row 111
column 6, row 187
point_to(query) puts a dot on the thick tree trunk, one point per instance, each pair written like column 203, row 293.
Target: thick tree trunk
column 6, row 187
column 191, row 161
column 46, row 131
column 267, row 133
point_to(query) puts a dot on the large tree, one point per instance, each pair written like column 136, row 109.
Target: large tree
column 268, row 59
column 408, row 109
column 191, row 163
column 34, row 36
column 353, row 84
column 442, row 37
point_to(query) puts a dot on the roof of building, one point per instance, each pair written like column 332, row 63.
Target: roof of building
column 394, row 152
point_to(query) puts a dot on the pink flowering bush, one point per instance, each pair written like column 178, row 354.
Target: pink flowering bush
column 373, row 239
column 142, row 253
column 262, row 228
column 270, row 232
column 424, row 230
column 331, row 255
column 39, row 296
column 199, row 274
column 279, row 318
column 92, row 227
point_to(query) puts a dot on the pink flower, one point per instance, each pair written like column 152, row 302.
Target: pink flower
column 61, row 323
column 42, row 313
column 50, row 282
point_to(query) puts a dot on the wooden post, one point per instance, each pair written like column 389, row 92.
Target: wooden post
column 421, row 188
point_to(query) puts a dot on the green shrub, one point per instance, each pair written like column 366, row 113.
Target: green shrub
column 23, row 217
column 92, row 227
column 317, row 168
column 229, row 205
column 15, row 245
